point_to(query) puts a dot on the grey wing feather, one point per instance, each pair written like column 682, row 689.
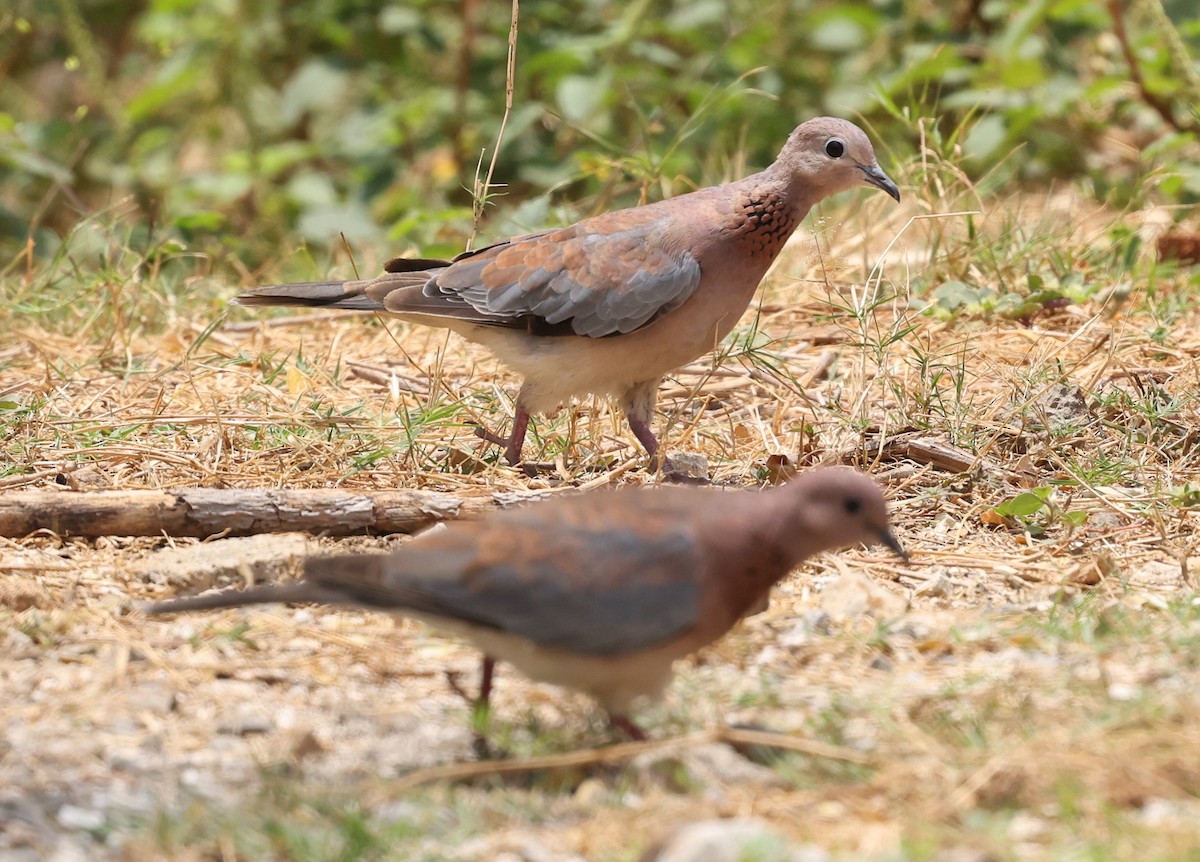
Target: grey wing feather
column 625, row 594
column 604, row 284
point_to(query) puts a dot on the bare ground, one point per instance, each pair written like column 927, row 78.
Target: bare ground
column 1025, row 688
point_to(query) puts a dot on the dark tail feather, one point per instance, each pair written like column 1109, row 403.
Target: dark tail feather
column 414, row 264
column 311, row 294
column 297, row 591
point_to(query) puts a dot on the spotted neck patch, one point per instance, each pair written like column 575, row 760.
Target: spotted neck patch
column 762, row 223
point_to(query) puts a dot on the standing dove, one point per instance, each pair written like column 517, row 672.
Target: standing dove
column 612, row 303
column 599, row 592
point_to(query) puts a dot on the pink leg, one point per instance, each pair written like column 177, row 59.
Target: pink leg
column 481, row 707
column 641, row 430
column 515, row 441
column 622, row 722
column 486, row 673
column 638, row 404
column 481, row 711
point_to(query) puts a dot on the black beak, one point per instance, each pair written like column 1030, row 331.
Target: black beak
column 888, row 538
column 875, row 176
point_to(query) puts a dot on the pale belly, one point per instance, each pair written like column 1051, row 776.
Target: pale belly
column 559, row 368
column 613, row 682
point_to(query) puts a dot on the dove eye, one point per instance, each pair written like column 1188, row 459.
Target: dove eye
column 852, row 505
column 835, row 148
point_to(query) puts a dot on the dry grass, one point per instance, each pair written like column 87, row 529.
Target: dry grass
column 1037, row 700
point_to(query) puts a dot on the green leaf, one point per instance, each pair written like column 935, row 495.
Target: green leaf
column 580, row 96
column 181, row 74
column 985, row 137
column 399, row 19
column 317, row 84
column 953, row 295
column 1021, row 506
column 201, row 220
column 838, row 35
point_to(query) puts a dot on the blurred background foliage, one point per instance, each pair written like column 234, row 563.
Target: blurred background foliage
column 239, row 130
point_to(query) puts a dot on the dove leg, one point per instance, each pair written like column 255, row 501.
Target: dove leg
column 481, row 708
column 515, row 441
column 487, row 671
column 481, row 711
column 623, row 723
column 638, row 403
column 641, row 430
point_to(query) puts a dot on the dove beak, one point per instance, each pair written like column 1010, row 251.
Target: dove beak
column 888, row 538
column 873, row 175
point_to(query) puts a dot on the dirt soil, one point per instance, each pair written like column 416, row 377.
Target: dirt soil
column 1022, row 688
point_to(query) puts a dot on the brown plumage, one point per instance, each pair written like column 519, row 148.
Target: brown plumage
column 599, row 592
column 611, row 304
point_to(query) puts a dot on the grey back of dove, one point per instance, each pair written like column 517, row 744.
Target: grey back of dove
column 614, row 302
column 599, row 592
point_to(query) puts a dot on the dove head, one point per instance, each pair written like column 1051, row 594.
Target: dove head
column 837, row 507
column 827, row 155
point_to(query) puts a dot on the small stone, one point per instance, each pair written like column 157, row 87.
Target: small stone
column 66, row 850
column 1025, row 827
column 225, row 562
column 733, row 840
column 152, row 697
column 508, row 848
column 936, row 587
column 946, row 524
column 591, row 791
column 964, row 854
column 914, row 630
column 1158, row 812
column 1065, row 408
column 861, row 734
column 808, row 627
column 688, row 468
column 718, row 762
column 246, row 720
column 1123, row 691
column 854, row 595
column 83, row 819
column 399, row 811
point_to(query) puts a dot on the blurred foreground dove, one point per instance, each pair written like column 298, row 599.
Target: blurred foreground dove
column 612, row 303
column 599, row 592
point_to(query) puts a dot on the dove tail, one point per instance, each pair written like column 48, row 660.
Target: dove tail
column 309, row 294
column 298, row 591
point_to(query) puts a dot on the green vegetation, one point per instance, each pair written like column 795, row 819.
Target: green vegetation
column 1019, row 366
column 247, row 132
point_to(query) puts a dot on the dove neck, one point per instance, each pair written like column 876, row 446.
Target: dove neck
column 767, row 544
column 764, row 216
column 788, row 185
column 784, row 528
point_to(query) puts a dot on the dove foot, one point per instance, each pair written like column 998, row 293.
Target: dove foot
column 685, row 468
column 514, row 442
column 624, row 724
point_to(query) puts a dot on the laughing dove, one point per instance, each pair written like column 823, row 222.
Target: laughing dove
column 599, row 592
column 612, row 303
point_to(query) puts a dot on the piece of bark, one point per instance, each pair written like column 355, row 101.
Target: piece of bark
column 203, row 512
column 924, row 449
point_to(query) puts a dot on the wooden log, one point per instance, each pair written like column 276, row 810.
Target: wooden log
column 204, row 512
